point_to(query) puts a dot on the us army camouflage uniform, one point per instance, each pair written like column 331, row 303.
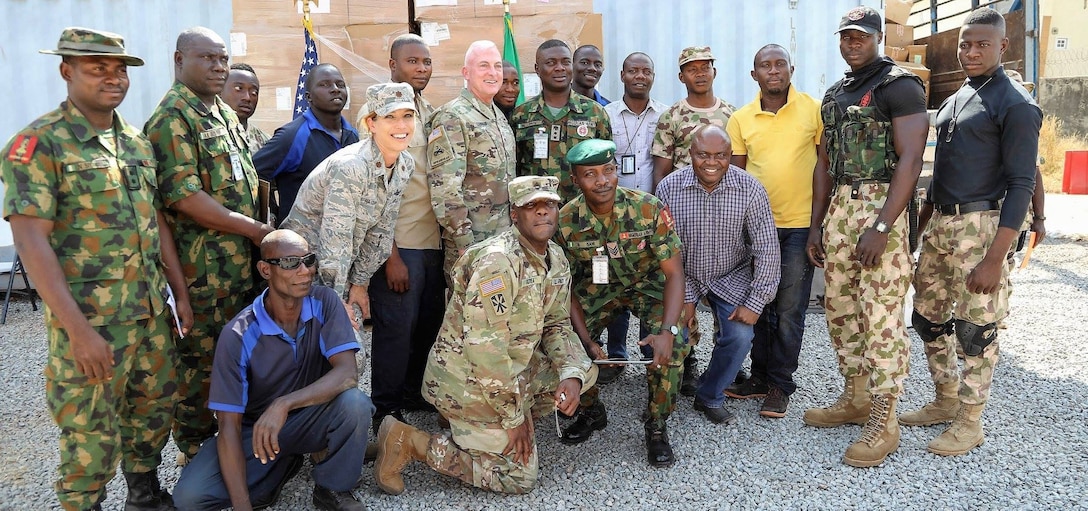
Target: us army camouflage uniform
column 103, row 200
column 347, row 210
column 864, row 306
column 505, row 345
column 471, row 150
column 672, row 139
column 639, row 236
column 581, row 119
column 193, row 146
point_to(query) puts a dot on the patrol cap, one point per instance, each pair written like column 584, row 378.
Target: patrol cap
column 593, row 151
column 1015, row 76
column 87, row 42
column 865, row 19
column 526, row 189
column 693, row 53
column 383, row 98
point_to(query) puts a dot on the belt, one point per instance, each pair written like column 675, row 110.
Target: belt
column 967, row 207
column 856, row 184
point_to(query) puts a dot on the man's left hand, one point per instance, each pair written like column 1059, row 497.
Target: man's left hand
column 266, row 432
column 185, row 316
column 567, row 396
column 871, row 247
column 662, row 345
column 1039, row 228
column 985, row 278
column 743, row 314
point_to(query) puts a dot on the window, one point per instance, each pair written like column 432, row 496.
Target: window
column 1061, row 43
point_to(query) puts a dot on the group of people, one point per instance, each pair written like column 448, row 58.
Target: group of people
column 492, row 245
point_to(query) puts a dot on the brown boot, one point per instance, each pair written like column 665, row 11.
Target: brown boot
column 879, row 437
column 964, row 434
column 852, row 406
column 398, row 443
column 942, row 409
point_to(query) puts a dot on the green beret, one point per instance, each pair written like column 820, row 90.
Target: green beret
column 592, row 152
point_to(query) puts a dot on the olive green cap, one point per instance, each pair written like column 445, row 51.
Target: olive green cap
column 592, row 152
column 87, row 42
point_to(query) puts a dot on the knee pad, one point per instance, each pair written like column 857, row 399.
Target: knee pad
column 975, row 338
column 928, row 330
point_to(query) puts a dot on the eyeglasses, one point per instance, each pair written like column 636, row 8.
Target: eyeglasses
column 292, row 262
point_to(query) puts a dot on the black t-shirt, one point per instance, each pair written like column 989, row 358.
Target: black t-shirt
column 897, row 99
column 992, row 152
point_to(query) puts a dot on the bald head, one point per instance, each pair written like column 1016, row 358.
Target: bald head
column 283, row 242
column 190, row 37
column 710, row 155
column 708, row 133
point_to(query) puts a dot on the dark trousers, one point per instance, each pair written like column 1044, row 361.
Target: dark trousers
column 405, row 327
column 777, row 342
column 617, row 337
column 341, row 426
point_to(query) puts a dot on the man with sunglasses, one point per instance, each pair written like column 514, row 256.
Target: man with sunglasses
column 284, row 383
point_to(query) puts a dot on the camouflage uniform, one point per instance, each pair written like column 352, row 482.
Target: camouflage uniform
column 864, row 306
column 103, row 200
column 672, row 139
column 194, row 147
column 471, row 161
column 638, row 237
column 582, row 119
column 255, row 138
column 347, row 210
column 505, row 345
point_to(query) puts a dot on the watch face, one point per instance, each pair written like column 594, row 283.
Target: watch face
column 675, row 330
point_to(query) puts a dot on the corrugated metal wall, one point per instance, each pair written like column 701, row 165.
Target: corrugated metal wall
column 735, row 30
column 32, row 85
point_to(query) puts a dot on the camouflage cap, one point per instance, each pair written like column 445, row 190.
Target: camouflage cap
column 526, row 189
column 1018, row 78
column 593, row 151
column 383, row 98
column 87, row 42
column 693, row 53
column 865, row 19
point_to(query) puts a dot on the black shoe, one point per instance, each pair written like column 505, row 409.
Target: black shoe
column 775, row 404
column 417, row 404
column 752, row 388
column 145, row 493
column 591, row 419
column 691, row 376
column 741, row 377
column 715, row 415
column 329, row 500
column 376, row 420
column 294, row 464
column 609, row 374
column 658, row 451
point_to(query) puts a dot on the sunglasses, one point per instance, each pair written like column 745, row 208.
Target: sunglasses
column 292, row 262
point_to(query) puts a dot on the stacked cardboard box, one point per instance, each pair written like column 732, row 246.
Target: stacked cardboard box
column 899, row 40
column 450, row 26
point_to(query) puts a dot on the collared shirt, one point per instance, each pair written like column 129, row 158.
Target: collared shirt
column 672, row 139
column 347, row 209
column 633, row 134
column 992, row 151
column 781, row 151
column 101, row 195
column 293, row 152
column 256, row 361
column 730, row 242
column 202, row 149
column 601, row 100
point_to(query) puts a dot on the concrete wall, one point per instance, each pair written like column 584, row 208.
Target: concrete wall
column 1066, row 99
column 1067, row 20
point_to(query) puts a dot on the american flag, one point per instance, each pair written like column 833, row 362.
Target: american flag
column 309, row 60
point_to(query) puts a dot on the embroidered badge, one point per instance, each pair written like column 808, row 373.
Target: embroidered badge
column 667, row 216
column 855, row 14
column 642, row 244
column 492, row 286
column 437, row 132
column 583, row 131
column 498, row 304
column 613, row 249
column 22, row 149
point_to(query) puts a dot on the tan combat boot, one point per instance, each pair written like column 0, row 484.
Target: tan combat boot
column 879, row 437
column 852, row 406
column 398, row 443
column 964, row 434
column 942, row 409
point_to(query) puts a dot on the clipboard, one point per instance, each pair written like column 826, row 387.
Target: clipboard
column 264, row 196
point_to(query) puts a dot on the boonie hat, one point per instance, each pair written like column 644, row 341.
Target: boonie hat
column 593, row 151
column 383, row 98
column 865, row 19
column 526, row 189
column 87, row 42
column 693, row 53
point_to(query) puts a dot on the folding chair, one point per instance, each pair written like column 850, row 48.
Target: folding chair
column 7, row 249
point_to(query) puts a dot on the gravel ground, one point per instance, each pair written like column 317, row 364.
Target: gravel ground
column 1035, row 455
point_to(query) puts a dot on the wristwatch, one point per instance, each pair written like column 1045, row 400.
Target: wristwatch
column 673, row 329
column 881, row 227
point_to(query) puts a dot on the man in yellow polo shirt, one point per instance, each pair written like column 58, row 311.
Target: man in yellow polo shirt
column 775, row 138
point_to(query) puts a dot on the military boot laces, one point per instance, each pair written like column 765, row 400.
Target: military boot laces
column 852, row 406
column 964, row 434
column 879, row 436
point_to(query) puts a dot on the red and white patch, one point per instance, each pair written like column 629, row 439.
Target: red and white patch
column 667, row 216
column 855, row 14
column 22, row 148
column 583, row 131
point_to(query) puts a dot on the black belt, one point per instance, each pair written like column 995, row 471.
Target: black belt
column 967, row 207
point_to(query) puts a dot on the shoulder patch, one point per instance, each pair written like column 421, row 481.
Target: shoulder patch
column 492, row 286
column 667, row 216
column 437, row 132
column 22, row 148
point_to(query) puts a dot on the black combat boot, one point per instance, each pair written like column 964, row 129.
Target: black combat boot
column 691, row 375
column 145, row 494
column 658, row 451
column 590, row 419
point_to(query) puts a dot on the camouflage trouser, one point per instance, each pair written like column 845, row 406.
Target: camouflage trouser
column 193, row 421
column 663, row 382
column 952, row 247
column 126, row 419
column 864, row 306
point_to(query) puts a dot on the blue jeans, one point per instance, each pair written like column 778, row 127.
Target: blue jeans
column 340, row 426
column 731, row 344
column 617, row 336
column 405, row 327
column 777, row 342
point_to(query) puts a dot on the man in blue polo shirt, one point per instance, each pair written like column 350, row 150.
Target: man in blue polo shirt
column 298, row 146
column 284, row 383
